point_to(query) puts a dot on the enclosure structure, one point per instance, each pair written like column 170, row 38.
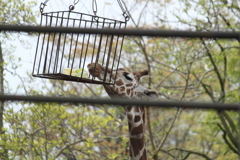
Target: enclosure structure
column 64, row 56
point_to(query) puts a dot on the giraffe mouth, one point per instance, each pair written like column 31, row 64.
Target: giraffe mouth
column 95, row 69
column 150, row 94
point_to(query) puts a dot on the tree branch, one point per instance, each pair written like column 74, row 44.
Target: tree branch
column 227, row 130
column 150, row 129
column 221, row 98
column 221, row 81
column 67, row 145
column 192, row 152
column 226, row 140
column 207, row 88
column 155, row 155
column 230, row 122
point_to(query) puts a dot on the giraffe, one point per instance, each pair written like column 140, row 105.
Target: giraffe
column 127, row 86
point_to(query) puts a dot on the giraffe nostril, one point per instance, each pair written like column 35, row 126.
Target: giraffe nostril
column 147, row 93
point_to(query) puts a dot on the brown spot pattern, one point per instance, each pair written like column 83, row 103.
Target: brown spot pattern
column 142, row 108
column 113, row 77
column 129, row 117
column 128, row 91
column 130, row 152
column 128, row 108
column 122, row 88
column 137, row 119
column 129, row 84
column 144, row 156
column 119, row 82
column 136, row 144
column 137, row 130
column 136, row 109
column 129, row 125
column 131, row 94
column 143, row 118
column 122, row 94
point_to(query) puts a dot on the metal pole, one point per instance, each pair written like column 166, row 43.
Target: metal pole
column 128, row 32
column 122, row 102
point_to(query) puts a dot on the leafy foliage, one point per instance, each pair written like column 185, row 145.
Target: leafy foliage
column 54, row 131
column 201, row 70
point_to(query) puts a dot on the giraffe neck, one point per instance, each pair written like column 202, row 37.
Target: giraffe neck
column 135, row 116
column 136, row 125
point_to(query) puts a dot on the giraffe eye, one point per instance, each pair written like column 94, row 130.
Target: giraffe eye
column 125, row 74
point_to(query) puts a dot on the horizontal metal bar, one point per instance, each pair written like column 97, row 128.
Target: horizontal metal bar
column 129, row 32
column 122, row 102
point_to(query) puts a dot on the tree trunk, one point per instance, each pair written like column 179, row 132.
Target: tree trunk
column 4, row 154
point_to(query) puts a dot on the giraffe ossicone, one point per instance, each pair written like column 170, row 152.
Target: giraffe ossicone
column 127, row 86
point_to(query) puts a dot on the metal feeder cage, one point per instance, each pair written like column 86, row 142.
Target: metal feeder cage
column 64, row 56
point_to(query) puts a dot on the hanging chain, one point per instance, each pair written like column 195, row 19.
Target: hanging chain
column 94, row 8
column 71, row 7
column 123, row 10
column 42, row 5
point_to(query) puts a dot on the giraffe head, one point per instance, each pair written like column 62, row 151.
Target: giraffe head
column 126, row 83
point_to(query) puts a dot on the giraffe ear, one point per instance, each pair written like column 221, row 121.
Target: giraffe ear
column 139, row 74
column 151, row 94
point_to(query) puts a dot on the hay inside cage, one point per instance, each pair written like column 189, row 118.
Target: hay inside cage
column 64, row 56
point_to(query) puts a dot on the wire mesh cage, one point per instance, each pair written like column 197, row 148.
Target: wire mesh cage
column 64, row 56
